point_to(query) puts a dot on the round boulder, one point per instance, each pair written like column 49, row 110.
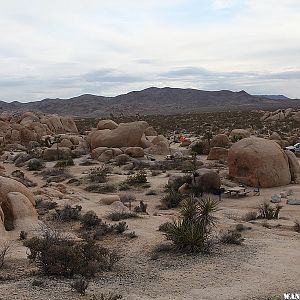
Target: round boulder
column 107, row 124
column 220, row 140
column 258, row 162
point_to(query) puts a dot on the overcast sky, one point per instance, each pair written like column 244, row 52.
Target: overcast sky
column 61, row 48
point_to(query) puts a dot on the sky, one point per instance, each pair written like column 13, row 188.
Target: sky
column 65, row 48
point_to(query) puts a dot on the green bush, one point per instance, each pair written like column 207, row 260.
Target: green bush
column 191, row 232
column 64, row 163
column 98, row 175
column 171, row 200
column 90, row 220
column 35, row 164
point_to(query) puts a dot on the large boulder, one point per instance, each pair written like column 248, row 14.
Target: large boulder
column 220, row 140
column 125, row 135
column 218, row 153
column 107, row 124
column 206, row 179
column 238, row 134
column 258, row 162
column 68, row 124
column 16, row 205
column 294, row 166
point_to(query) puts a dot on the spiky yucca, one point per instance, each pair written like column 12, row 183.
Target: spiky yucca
column 191, row 232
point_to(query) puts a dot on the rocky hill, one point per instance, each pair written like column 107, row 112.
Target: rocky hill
column 153, row 101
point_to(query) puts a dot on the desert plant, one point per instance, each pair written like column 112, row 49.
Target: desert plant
column 191, row 232
column 297, row 226
column 69, row 213
column 64, row 163
column 121, row 215
column 137, row 179
column 120, row 227
column 4, row 251
column 124, row 186
column 172, row 199
column 267, row 211
column 141, row 208
column 164, row 226
column 99, row 174
column 80, row 285
column 55, row 254
column 23, row 235
column 35, row 165
column 109, row 296
column 90, row 220
column 101, row 188
column 249, row 216
column 231, row 237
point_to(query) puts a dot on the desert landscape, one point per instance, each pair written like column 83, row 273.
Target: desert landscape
column 190, row 206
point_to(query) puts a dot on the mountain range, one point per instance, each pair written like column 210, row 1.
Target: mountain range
column 154, row 101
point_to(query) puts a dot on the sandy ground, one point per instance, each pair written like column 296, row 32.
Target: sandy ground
column 264, row 267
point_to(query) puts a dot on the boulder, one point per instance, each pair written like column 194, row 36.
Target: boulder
column 65, row 143
column 150, row 131
column 161, row 148
column 275, row 136
column 294, row 166
column 98, row 151
column 107, row 124
column 218, row 153
column 293, row 201
column 206, row 179
column 68, row 124
column 135, row 152
column 258, row 162
column 106, row 155
column 16, row 205
column 220, row 140
column 125, row 135
column 109, row 199
column 238, row 134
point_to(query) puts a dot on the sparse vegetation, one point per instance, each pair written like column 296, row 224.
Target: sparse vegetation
column 121, row 215
column 4, row 251
column 297, row 226
column 231, row 237
column 64, row 163
column 99, row 174
column 80, row 285
column 268, row 211
column 171, row 200
column 137, row 179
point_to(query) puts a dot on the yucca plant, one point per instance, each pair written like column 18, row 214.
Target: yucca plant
column 191, row 232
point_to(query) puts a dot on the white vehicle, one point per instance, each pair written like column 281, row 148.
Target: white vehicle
column 295, row 148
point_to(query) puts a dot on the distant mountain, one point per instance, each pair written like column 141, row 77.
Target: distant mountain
column 274, row 97
column 153, row 101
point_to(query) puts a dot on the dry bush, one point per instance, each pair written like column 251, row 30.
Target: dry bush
column 297, row 226
column 80, row 285
column 69, row 213
column 121, row 215
column 99, row 174
column 231, row 237
column 56, row 254
column 64, row 163
column 171, row 200
column 249, row 216
column 101, row 188
column 267, row 211
column 137, row 179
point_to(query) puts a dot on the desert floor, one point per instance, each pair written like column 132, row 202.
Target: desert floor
column 264, row 267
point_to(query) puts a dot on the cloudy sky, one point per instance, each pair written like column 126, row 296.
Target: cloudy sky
column 64, row 48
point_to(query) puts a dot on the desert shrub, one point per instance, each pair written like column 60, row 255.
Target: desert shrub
column 55, row 254
column 55, row 174
column 139, row 178
column 98, row 174
column 109, row 296
column 241, row 227
column 90, row 220
column 37, row 282
column 124, row 186
column 64, row 163
column 35, row 165
column 198, row 148
column 171, row 200
column 23, row 235
column 267, row 211
column 101, row 188
column 297, row 226
column 69, row 213
column 231, row 237
column 151, row 193
column 131, row 235
column 127, row 198
column 121, row 215
column 141, row 208
column 249, row 216
column 164, row 226
column 178, row 182
column 120, row 227
column 191, row 232
column 4, row 251
column 80, row 285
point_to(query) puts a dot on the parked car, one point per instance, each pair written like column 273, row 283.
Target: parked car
column 295, row 148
